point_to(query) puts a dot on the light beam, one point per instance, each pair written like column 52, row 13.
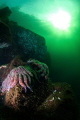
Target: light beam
column 60, row 20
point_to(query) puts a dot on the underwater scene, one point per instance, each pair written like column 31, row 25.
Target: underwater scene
column 39, row 59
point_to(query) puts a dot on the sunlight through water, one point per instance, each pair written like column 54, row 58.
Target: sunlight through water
column 60, row 19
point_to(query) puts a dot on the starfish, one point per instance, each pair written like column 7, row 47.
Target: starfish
column 18, row 75
column 40, row 68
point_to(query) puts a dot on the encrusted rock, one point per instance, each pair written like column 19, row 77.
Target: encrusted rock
column 47, row 101
column 23, row 42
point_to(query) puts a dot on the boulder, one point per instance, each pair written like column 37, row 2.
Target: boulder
column 22, row 42
column 46, row 101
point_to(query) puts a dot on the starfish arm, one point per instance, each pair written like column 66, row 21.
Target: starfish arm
column 4, row 85
column 21, row 82
column 27, row 71
column 26, row 82
column 29, row 78
column 14, row 81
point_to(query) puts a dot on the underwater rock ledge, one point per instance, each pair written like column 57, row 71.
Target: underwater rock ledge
column 22, row 42
column 46, row 101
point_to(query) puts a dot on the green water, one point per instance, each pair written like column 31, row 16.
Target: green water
column 63, row 46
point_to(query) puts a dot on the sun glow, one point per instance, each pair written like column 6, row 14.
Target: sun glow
column 61, row 19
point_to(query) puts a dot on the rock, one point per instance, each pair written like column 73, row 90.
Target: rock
column 47, row 101
column 4, row 14
column 5, row 43
column 5, row 33
column 27, row 43
column 23, row 42
column 60, row 105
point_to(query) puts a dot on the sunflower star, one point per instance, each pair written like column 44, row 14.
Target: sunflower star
column 39, row 67
column 17, row 75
